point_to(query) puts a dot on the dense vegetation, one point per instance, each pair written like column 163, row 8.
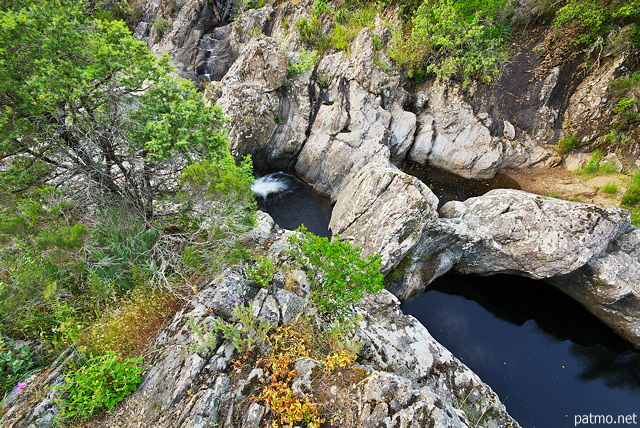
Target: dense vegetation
column 117, row 192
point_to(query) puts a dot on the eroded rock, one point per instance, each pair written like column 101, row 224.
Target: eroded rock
column 384, row 211
column 512, row 231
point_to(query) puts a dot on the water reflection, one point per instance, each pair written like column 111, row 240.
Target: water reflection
column 546, row 356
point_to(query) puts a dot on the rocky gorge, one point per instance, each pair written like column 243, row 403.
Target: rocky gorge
column 347, row 126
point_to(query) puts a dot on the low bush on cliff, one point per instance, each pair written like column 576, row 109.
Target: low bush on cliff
column 465, row 40
column 339, row 274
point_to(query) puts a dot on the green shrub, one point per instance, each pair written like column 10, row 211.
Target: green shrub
column 310, row 31
column 249, row 331
column 262, row 272
column 307, row 61
column 99, row 384
column 339, row 275
column 120, row 243
column 632, row 196
column 567, row 144
column 449, row 38
column 611, row 188
column 596, row 166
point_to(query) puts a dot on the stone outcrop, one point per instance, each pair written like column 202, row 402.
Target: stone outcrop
column 511, row 231
column 589, row 252
column 609, row 285
column 369, row 212
column 351, row 126
column 404, row 376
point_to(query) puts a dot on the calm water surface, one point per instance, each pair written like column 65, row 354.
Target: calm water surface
column 545, row 356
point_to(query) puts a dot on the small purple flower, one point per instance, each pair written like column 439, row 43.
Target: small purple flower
column 21, row 386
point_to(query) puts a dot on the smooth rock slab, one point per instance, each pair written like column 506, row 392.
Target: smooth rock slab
column 384, row 211
column 512, row 231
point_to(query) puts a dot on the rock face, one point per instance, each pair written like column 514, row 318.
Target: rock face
column 404, row 377
column 588, row 252
column 512, row 231
column 609, row 285
column 351, row 127
column 451, row 137
column 369, row 212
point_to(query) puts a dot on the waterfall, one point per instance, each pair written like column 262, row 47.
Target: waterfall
column 271, row 184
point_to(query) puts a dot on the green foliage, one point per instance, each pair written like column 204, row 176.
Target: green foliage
column 262, row 272
column 596, row 165
column 620, row 87
column 41, row 256
column 343, row 35
column 310, row 31
column 99, row 384
column 90, row 100
column 567, row 144
column 631, row 197
column 611, row 188
column 319, row 7
column 350, row 21
column 173, row 119
column 120, row 244
column 15, row 363
column 249, row 331
column 339, row 275
column 446, row 38
column 161, row 25
column 626, row 114
column 306, row 61
column 597, row 17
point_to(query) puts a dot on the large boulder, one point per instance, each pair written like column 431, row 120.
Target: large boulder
column 609, row 285
column 384, row 210
column 451, row 137
column 512, row 231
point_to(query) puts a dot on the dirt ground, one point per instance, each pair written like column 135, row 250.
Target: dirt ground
column 564, row 184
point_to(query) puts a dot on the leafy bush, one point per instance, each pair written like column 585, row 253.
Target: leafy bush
column 597, row 17
column 447, row 38
column 262, row 272
column 15, row 363
column 567, row 144
column 339, row 275
column 121, row 243
column 99, row 384
column 307, row 61
column 249, row 331
column 632, row 196
column 310, row 31
column 596, row 166
column 611, row 188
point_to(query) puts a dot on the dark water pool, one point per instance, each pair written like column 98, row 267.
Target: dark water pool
column 292, row 202
column 452, row 187
column 548, row 359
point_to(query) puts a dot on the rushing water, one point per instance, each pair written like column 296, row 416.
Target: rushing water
column 291, row 203
column 547, row 358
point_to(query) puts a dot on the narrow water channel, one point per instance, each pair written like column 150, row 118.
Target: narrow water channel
column 291, row 203
column 547, row 358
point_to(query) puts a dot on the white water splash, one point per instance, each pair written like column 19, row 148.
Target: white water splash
column 269, row 185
